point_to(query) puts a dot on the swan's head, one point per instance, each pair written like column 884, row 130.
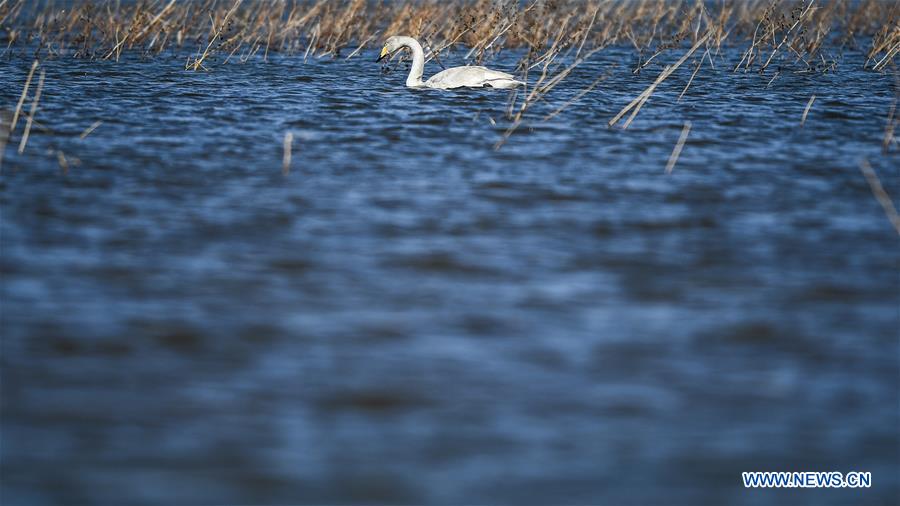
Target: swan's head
column 391, row 46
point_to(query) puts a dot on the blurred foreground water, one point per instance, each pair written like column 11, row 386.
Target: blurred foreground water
column 409, row 316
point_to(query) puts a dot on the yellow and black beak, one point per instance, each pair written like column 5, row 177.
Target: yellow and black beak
column 384, row 53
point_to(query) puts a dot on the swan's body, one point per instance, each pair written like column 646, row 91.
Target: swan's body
column 457, row 77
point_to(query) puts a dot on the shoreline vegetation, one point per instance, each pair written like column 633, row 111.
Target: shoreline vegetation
column 771, row 32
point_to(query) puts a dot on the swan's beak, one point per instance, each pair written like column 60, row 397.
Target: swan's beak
column 384, row 52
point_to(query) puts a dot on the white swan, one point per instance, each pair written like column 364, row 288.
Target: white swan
column 457, row 77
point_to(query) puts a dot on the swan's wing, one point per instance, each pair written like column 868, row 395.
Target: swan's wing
column 472, row 77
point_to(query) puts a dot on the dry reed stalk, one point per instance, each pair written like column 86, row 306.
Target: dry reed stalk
column 89, row 130
column 576, row 98
column 806, row 110
column 312, row 43
column 888, row 57
column 889, row 128
column 286, row 157
column 360, row 47
column 691, row 80
column 539, row 90
column 676, row 152
column 198, row 62
column 4, row 133
column 887, row 41
column 118, row 47
column 803, row 34
column 34, row 106
column 15, row 118
column 880, row 194
column 784, row 40
column 637, row 103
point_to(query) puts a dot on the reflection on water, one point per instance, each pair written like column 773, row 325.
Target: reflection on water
column 412, row 317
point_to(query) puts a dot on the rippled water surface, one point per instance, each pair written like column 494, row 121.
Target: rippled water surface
column 409, row 316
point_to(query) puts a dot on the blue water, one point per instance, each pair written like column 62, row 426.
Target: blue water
column 411, row 316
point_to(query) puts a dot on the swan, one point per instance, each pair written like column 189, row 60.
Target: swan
column 457, row 77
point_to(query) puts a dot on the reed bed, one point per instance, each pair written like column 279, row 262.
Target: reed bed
column 206, row 31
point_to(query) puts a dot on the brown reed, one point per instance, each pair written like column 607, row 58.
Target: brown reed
column 30, row 118
column 890, row 127
column 89, row 130
column 287, row 144
column 18, row 112
column 809, row 104
column 880, row 194
column 676, row 151
column 5, row 118
column 775, row 31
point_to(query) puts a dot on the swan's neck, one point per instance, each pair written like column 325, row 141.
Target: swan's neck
column 414, row 80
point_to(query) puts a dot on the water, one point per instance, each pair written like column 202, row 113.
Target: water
column 409, row 316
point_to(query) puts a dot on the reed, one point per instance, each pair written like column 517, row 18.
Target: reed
column 776, row 32
column 5, row 118
column 30, row 119
column 636, row 104
column 89, row 130
column 287, row 144
column 809, row 105
column 22, row 97
column 218, row 29
column 676, row 151
column 880, row 194
column 890, row 127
